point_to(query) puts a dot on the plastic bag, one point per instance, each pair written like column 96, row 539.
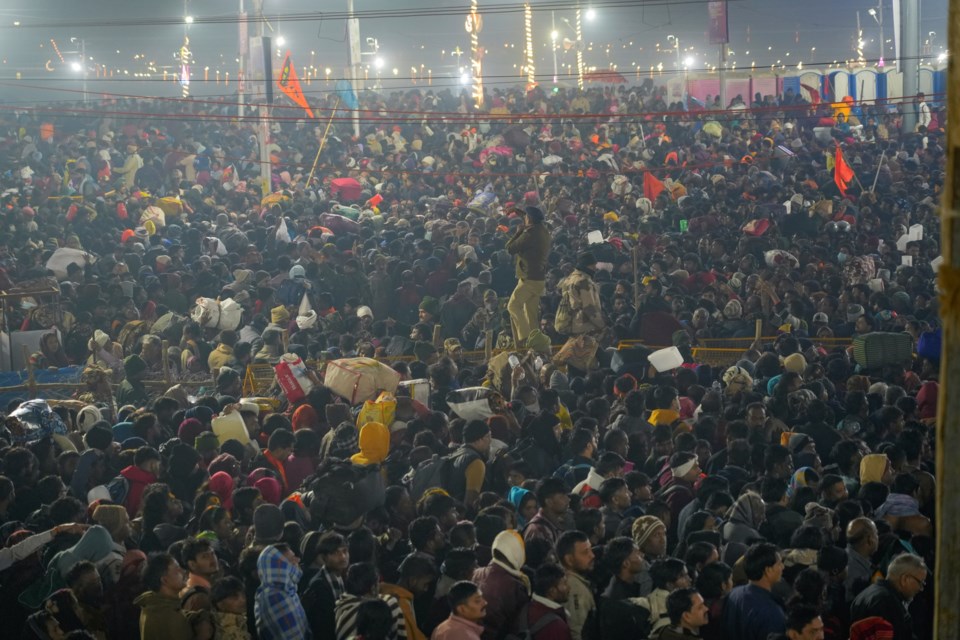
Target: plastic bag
column 382, row 410
column 283, row 235
column 472, row 403
column 293, row 377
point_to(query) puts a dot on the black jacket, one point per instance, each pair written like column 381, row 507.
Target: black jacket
column 881, row 599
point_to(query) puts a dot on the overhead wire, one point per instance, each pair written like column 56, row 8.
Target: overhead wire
column 408, row 118
column 370, row 14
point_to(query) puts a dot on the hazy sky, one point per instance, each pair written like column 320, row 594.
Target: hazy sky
column 761, row 31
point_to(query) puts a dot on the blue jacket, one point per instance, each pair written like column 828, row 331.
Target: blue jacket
column 752, row 613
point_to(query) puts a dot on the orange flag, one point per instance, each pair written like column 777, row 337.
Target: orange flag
column 652, row 186
column 842, row 173
column 290, row 85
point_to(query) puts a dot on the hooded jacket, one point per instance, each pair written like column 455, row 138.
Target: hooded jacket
column 161, row 618
column 137, row 479
column 277, row 608
column 504, row 585
column 95, row 545
column 374, row 444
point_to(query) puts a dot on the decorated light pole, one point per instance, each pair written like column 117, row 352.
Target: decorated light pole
column 530, row 64
column 473, row 25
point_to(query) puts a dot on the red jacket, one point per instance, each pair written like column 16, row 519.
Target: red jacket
column 505, row 594
column 138, row 480
column 559, row 629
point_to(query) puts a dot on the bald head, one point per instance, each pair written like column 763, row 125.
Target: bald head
column 862, row 535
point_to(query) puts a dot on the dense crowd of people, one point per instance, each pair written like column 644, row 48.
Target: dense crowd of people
column 577, row 236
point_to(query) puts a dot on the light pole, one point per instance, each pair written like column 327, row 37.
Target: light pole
column 676, row 42
column 877, row 14
column 81, row 66
column 553, row 43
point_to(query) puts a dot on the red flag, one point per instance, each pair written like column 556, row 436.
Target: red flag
column 842, row 173
column 290, row 85
column 652, row 186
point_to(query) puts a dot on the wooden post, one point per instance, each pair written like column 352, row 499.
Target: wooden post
column 437, row 342
column 488, row 344
column 31, row 380
column 165, row 344
column 947, row 571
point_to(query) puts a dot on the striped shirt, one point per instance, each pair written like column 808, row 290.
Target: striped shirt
column 346, row 617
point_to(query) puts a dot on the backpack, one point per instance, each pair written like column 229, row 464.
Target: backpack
column 525, row 631
column 433, row 472
column 441, row 472
column 119, row 489
column 342, row 493
column 290, row 292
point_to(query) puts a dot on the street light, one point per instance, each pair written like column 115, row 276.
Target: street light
column 281, row 41
column 590, row 14
column 76, row 67
column 188, row 19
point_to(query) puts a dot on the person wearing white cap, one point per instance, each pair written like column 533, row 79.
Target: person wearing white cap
column 104, row 351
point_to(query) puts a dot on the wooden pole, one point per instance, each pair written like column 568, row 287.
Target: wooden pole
column 876, row 177
column 636, row 278
column 947, row 571
column 165, row 344
column 31, row 380
column 323, row 140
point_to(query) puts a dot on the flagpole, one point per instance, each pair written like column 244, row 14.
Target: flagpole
column 877, row 176
column 322, row 142
column 849, row 166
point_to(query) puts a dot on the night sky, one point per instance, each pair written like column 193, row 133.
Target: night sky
column 761, row 32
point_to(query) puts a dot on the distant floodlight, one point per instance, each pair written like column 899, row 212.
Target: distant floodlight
column 281, row 41
column 591, row 14
column 188, row 19
column 76, row 66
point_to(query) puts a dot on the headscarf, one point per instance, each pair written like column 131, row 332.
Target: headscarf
column 374, row 443
column 541, row 430
column 221, row 483
column 55, row 358
column 305, row 417
column 872, row 467
column 189, row 429
column 225, row 463
column 748, row 510
column 81, row 476
column 517, row 496
column 927, row 400
column 797, row 480
column 345, row 441
column 270, row 489
column 510, row 546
